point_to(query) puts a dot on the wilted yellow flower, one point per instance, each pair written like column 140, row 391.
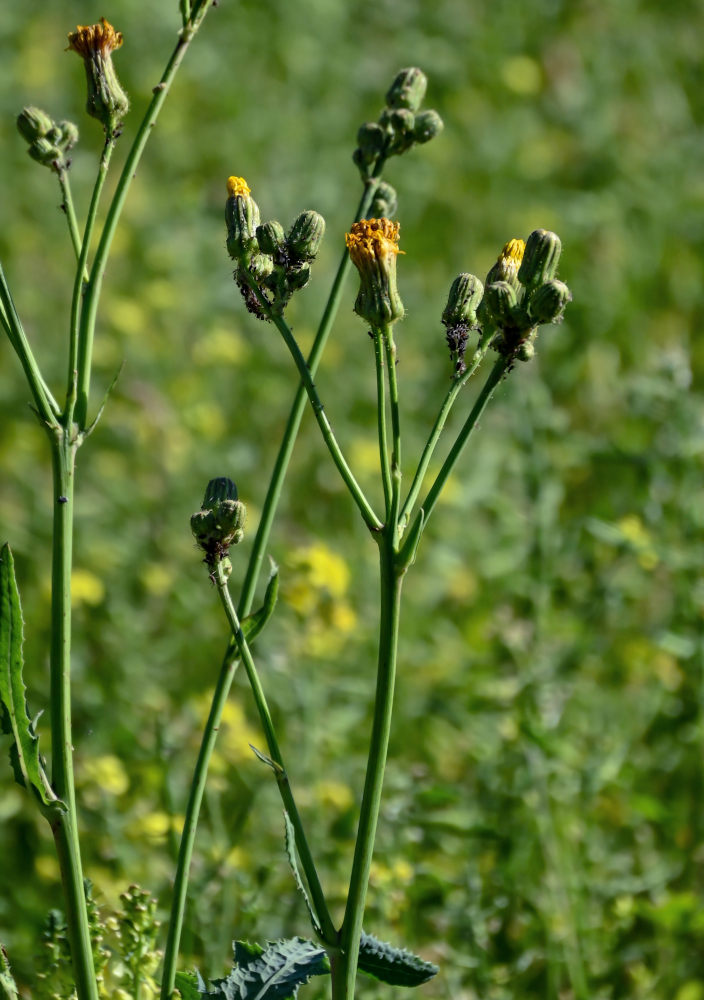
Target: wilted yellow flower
column 373, row 247
column 95, row 44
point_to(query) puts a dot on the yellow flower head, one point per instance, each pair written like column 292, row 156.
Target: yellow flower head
column 372, row 238
column 107, row 101
column 237, row 186
column 512, row 253
column 373, row 247
column 507, row 264
column 91, row 38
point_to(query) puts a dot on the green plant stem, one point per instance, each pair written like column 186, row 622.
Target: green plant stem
column 355, row 490
column 70, row 212
column 428, row 505
column 92, row 296
column 46, row 406
column 231, row 659
column 390, row 348
column 381, row 420
column 79, row 353
column 327, row 927
column 293, row 423
column 65, row 825
column 452, row 394
column 345, row 964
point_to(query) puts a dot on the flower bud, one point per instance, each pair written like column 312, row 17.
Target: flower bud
column 260, row 266
column 500, row 300
column 371, row 138
column 385, row 201
column 541, row 257
column 305, row 236
column 408, row 89
column 220, row 521
column 33, row 123
column 107, row 101
column 525, row 351
column 428, row 124
column 401, row 120
column 298, row 277
column 507, row 264
column 270, row 237
column 547, row 303
column 466, row 293
column 373, row 247
column 242, row 218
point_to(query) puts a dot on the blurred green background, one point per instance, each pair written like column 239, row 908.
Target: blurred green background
column 542, row 833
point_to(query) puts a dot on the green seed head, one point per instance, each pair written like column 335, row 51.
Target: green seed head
column 540, row 259
column 408, row 89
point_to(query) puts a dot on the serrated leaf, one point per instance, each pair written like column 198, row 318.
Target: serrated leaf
column 253, row 624
column 191, row 986
column 290, row 843
column 271, row 973
column 14, row 719
column 394, row 966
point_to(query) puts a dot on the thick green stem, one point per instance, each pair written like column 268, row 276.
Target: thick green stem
column 381, row 420
column 65, row 826
column 345, row 965
column 80, row 347
column 70, row 212
column 320, row 908
column 452, row 394
column 428, row 505
column 92, row 297
column 390, row 348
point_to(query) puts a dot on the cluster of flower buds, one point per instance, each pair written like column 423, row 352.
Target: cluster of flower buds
column 220, row 521
column 107, row 101
column 138, row 930
column 373, row 247
column 277, row 262
column 49, row 141
column 521, row 293
column 400, row 125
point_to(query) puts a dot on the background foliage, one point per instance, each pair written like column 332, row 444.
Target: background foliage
column 542, row 834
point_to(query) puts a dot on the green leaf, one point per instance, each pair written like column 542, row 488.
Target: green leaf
column 253, row 624
column 14, row 720
column 8, row 986
column 191, row 986
column 394, row 966
column 290, row 842
column 271, row 973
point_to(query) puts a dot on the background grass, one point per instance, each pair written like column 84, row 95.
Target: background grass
column 542, row 833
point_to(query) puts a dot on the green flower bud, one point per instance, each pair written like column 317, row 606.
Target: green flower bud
column 107, row 101
column 525, row 351
column 242, row 218
column 428, row 124
column 500, row 300
column 373, row 247
column 540, row 259
column 363, row 160
column 33, row 123
column 260, row 266
column 401, row 120
column 371, row 138
column 298, row 277
column 466, row 293
column 270, row 237
column 305, row 236
column 69, row 135
column 547, row 303
column 220, row 521
column 408, row 89
column 384, row 202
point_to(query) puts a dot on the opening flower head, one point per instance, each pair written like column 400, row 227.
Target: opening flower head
column 237, row 187
column 107, row 101
column 373, row 247
column 508, row 263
